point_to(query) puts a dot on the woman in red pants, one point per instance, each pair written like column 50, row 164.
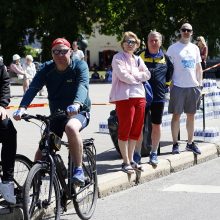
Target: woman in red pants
column 128, row 93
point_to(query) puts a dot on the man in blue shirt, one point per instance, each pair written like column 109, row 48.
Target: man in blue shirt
column 67, row 84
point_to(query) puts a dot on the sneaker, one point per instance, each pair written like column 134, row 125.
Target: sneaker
column 153, row 159
column 78, row 176
column 137, row 157
column 127, row 168
column 175, row 149
column 193, row 147
column 136, row 167
column 7, row 192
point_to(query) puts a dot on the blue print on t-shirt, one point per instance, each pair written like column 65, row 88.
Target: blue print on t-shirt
column 188, row 63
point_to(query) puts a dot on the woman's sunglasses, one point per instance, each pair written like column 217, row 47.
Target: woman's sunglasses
column 130, row 42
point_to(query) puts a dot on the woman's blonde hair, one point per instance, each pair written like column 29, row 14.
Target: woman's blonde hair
column 202, row 39
column 128, row 34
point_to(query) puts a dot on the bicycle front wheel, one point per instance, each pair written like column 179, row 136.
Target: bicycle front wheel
column 85, row 197
column 36, row 194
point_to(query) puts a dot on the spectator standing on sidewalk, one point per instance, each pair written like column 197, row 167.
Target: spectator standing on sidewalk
column 30, row 70
column 127, row 92
column 77, row 53
column 16, row 68
column 161, row 70
column 186, row 86
column 8, row 138
column 203, row 50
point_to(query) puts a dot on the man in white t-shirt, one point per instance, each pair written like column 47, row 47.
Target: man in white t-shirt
column 186, row 86
column 77, row 54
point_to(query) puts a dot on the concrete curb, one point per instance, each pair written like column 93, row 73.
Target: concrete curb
column 117, row 181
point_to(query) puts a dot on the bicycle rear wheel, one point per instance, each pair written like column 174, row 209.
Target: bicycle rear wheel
column 85, row 197
column 21, row 169
column 36, row 192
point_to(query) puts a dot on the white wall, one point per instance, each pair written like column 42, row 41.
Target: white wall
column 98, row 43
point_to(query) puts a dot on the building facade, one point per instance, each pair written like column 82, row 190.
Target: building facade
column 101, row 49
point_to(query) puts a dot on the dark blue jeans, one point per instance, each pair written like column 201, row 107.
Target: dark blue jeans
column 8, row 138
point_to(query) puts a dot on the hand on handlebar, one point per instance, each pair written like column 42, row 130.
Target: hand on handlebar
column 18, row 113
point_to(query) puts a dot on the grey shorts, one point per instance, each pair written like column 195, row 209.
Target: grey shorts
column 184, row 100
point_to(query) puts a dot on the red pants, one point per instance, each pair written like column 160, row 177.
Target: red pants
column 130, row 117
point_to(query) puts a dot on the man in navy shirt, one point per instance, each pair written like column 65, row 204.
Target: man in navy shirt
column 161, row 70
column 67, row 84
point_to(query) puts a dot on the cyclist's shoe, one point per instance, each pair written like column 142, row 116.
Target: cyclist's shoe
column 7, row 192
column 127, row 168
column 193, row 147
column 137, row 157
column 175, row 149
column 136, row 167
column 78, row 176
column 153, row 159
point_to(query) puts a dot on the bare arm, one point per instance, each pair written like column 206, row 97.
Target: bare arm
column 199, row 73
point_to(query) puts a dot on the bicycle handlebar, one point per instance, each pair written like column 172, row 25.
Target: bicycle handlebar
column 42, row 118
column 38, row 117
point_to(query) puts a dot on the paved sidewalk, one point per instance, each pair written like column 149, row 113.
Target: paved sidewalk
column 110, row 178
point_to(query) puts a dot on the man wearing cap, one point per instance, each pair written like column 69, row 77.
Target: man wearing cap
column 67, row 84
column 186, row 86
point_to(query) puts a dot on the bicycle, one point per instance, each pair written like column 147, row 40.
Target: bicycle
column 21, row 169
column 50, row 176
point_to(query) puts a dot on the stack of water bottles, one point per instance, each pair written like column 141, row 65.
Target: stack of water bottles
column 209, row 134
column 212, row 98
column 212, row 110
column 103, row 128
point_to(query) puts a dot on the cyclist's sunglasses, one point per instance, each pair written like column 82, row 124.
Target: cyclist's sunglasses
column 62, row 52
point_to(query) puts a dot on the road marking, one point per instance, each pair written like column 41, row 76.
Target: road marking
column 193, row 188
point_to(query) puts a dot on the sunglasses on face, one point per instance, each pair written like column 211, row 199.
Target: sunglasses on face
column 62, row 52
column 130, row 42
column 186, row 30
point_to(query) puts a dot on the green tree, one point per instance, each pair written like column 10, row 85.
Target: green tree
column 166, row 16
column 47, row 19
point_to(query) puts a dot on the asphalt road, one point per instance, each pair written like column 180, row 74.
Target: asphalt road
column 191, row 194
